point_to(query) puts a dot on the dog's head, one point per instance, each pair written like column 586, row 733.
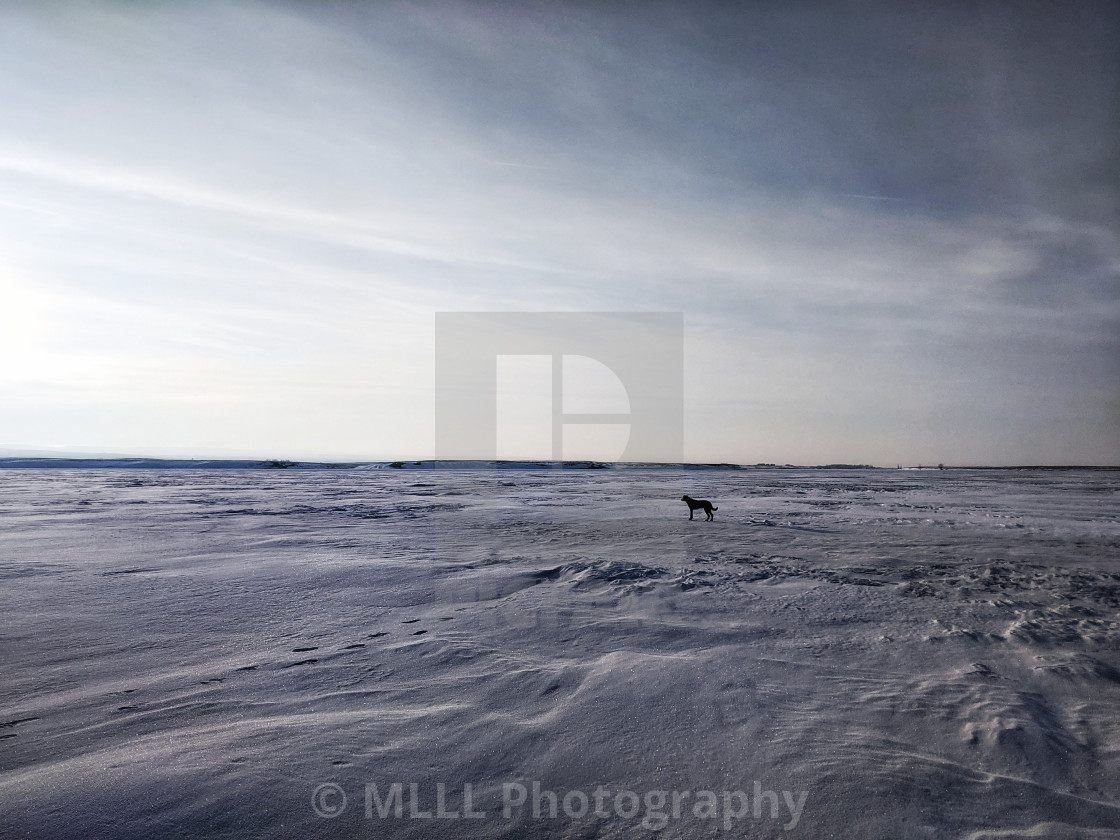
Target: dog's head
column 684, row 498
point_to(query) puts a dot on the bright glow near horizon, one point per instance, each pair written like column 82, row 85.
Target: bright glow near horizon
column 226, row 228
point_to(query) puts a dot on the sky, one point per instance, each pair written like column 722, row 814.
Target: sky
column 893, row 228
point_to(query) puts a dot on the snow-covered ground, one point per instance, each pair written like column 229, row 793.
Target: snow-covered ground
column 849, row 654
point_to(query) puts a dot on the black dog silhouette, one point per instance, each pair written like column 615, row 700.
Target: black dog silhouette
column 704, row 504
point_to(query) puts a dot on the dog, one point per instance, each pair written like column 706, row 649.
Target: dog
column 702, row 504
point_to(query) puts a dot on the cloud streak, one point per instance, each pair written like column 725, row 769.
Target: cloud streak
column 876, row 221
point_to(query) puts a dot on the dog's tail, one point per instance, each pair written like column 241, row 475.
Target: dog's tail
column 714, row 507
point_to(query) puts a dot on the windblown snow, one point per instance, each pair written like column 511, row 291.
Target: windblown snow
column 538, row 653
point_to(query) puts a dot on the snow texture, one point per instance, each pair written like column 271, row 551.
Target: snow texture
column 194, row 653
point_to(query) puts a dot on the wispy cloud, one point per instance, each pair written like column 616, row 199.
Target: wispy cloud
column 875, row 222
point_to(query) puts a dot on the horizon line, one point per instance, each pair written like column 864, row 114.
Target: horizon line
column 404, row 463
